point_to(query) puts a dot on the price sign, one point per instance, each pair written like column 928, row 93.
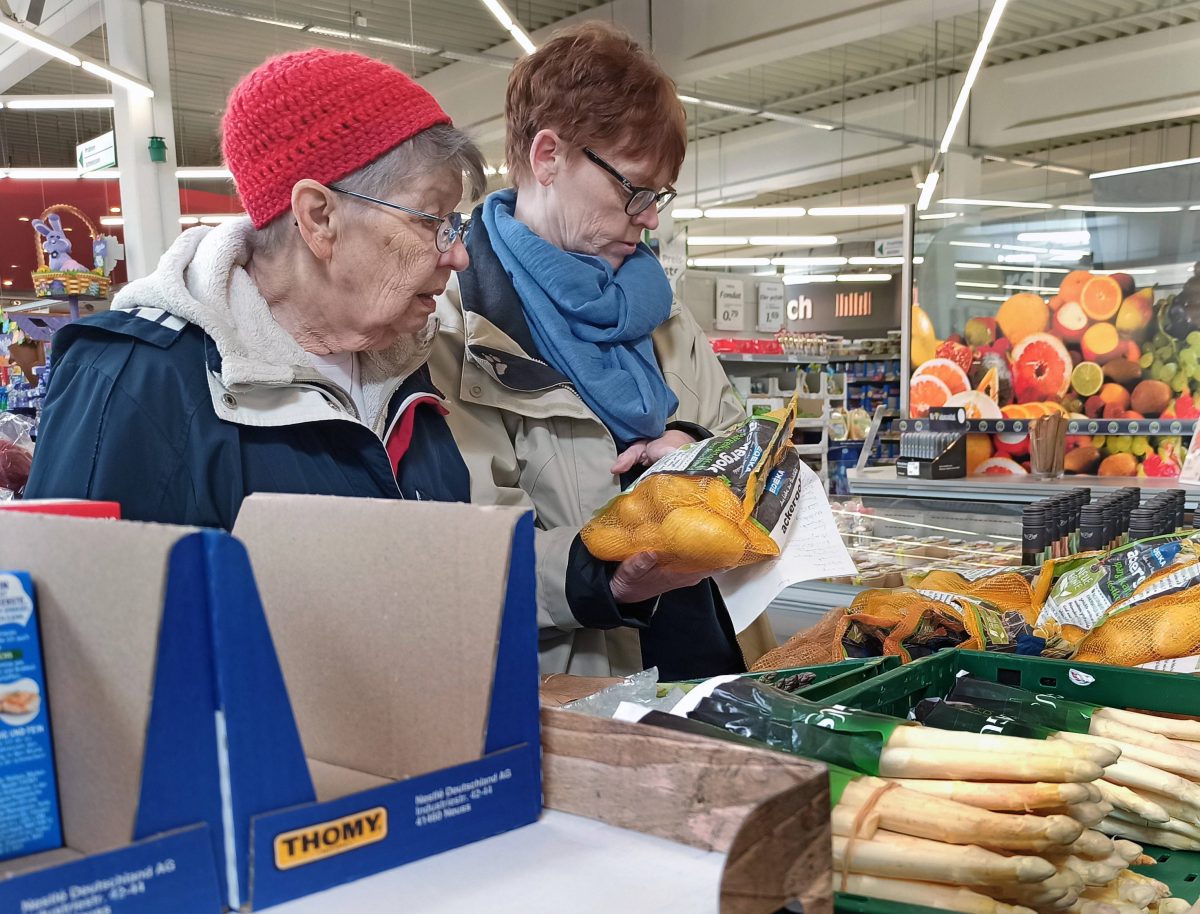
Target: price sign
column 731, row 300
column 772, row 297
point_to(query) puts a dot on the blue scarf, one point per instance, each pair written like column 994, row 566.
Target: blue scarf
column 591, row 322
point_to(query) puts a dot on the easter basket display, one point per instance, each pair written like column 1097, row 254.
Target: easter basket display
column 59, row 274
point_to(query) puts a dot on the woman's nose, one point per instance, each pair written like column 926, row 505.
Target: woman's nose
column 647, row 218
column 456, row 258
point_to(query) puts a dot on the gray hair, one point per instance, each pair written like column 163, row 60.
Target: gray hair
column 436, row 148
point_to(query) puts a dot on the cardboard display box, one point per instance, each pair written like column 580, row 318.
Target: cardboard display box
column 408, row 635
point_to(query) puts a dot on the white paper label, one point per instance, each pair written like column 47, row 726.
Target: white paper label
column 772, row 297
column 811, row 549
column 914, row 469
column 730, row 304
column 1174, row 665
column 1080, row 678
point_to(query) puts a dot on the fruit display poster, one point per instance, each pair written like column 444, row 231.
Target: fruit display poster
column 1100, row 348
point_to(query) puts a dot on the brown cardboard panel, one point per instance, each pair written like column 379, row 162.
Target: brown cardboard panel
column 333, row 781
column 100, row 586
column 42, row 861
column 385, row 616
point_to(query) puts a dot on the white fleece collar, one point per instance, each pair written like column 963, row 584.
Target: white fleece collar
column 202, row 279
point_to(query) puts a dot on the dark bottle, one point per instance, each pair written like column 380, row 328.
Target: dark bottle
column 1092, row 534
column 1033, row 534
column 1143, row 523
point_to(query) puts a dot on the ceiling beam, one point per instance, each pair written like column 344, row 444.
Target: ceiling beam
column 67, row 22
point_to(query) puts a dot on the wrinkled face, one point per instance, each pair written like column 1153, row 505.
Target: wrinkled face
column 590, row 204
column 387, row 261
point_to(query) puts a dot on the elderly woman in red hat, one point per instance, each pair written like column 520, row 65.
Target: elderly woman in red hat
column 283, row 352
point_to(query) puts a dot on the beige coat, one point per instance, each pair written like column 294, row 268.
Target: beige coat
column 547, row 450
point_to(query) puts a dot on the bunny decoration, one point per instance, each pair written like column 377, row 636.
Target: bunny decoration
column 58, row 273
column 56, row 245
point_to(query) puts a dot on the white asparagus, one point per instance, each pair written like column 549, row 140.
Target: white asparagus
column 1129, row 895
column 904, row 857
column 1088, row 906
column 1124, row 798
column 910, row 813
column 933, row 738
column 1176, row 764
column 1137, row 892
column 1161, row 888
column 1091, row 845
column 1003, row 796
column 1061, row 889
column 944, row 897
column 1129, row 773
column 1092, row 872
column 1148, row 835
column 1173, row 806
column 1088, row 813
column 944, row 764
column 1166, row 726
column 1174, row 906
column 1127, row 849
column 1187, row 829
column 1111, row 729
column 1094, row 794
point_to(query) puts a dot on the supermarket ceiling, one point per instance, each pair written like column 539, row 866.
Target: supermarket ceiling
column 1073, row 84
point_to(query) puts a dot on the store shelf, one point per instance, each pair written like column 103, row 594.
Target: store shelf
column 837, row 360
column 1181, row 427
column 1010, row 489
column 772, row 359
column 882, row 379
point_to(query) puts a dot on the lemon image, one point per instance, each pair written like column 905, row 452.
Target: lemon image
column 1087, row 379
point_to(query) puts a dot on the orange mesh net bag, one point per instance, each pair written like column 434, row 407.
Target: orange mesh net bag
column 1086, row 615
column 709, row 505
column 1020, row 590
column 1159, row 621
column 820, row 643
column 906, row 623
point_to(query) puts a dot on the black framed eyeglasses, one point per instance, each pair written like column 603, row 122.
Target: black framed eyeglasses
column 640, row 198
column 450, row 228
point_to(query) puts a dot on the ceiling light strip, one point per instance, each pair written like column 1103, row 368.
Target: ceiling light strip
column 960, row 106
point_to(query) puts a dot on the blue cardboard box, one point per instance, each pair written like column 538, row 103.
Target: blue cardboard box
column 29, row 820
column 407, row 634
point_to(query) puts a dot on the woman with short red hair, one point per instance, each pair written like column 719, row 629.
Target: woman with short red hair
column 569, row 364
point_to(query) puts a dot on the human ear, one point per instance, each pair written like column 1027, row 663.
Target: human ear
column 547, row 155
column 316, row 213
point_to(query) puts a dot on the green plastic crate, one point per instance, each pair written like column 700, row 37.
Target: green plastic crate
column 832, row 678
column 898, row 691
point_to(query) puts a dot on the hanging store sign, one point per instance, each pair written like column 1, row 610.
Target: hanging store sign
column 772, row 299
column 96, row 154
column 731, row 302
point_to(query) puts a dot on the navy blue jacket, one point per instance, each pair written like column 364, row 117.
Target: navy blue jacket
column 129, row 417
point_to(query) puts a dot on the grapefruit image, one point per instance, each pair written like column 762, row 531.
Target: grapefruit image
column 1000, row 466
column 926, row 392
column 946, row 371
column 1041, row 369
column 1023, row 315
column 977, row 405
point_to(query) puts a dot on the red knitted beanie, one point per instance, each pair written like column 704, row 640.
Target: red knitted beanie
column 316, row 114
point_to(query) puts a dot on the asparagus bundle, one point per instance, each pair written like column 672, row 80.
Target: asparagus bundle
column 1154, row 786
column 964, row 821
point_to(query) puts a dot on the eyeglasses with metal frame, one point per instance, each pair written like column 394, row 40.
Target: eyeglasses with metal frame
column 450, row 227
